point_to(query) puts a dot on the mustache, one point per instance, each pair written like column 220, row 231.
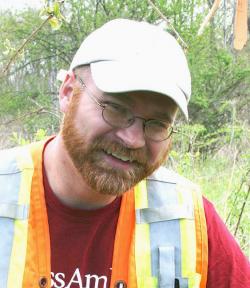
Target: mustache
column 139, row 156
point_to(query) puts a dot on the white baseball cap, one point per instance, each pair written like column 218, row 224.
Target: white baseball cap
column 126, row 55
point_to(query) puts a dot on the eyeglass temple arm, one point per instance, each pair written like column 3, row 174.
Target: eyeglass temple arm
column 88, row 91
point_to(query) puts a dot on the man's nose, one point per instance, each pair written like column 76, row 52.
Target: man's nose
column 132, row 136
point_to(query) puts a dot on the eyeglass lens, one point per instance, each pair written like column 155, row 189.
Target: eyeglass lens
column 120, row 117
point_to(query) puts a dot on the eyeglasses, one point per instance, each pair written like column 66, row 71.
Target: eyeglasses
column 119, row 116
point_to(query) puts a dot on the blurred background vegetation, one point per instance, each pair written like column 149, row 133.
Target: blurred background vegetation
column 212, row 149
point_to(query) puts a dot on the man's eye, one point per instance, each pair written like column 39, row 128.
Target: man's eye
column 116, row 107
column 164, row 124
column 158, row 124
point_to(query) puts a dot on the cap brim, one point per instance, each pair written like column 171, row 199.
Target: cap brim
column 118, row 77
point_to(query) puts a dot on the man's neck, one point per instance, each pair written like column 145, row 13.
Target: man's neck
column 66, row 182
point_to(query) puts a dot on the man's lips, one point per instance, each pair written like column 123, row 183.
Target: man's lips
column 120, row 157
column 118, row 162
column 120, row 153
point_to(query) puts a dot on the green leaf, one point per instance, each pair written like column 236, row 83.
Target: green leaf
column 56, row 11
column 55, row 23
column 40, row 134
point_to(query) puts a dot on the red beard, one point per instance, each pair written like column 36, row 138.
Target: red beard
column 88, row 158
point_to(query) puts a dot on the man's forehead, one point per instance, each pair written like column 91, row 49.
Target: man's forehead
column 150, row 96
column 128, row 96
column 160, row 105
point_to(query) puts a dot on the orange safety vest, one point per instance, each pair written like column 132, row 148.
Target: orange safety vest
column 161, row 236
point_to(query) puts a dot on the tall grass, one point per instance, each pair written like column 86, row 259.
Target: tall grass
column 222, row 171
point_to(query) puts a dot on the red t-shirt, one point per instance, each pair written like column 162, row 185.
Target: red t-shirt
column 228, row 267
column 81, row 243
column 82, row 247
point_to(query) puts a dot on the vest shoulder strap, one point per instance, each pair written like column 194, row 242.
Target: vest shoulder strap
column 22, row 233
column 13, row 163
column 16, row 170
column 170, row 221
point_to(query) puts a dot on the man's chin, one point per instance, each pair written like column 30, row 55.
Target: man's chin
column 110, row 181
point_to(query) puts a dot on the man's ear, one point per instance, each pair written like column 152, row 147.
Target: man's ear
column 66, row 91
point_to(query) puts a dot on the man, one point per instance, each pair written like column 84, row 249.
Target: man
column 91, row 207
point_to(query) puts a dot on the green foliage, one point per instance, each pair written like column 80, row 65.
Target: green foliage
column 9, row 48
column 52, row 8
column 218, row 78
column 19, row 139
column 223, row 173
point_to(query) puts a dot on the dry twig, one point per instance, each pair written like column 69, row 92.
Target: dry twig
column 241, row 211
column 209, row 16
column 25, row 43
column 40, row 110
column 168, row 23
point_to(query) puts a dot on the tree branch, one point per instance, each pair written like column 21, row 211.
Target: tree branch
column 40, row 110
column 209, row 16
column 168, row 23
column 241, row 212
column 25, row 43
column 237, row 195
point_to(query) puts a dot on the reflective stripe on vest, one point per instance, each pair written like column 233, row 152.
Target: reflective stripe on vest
column 165, row 233
column 25, row 245
column 15, row 186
